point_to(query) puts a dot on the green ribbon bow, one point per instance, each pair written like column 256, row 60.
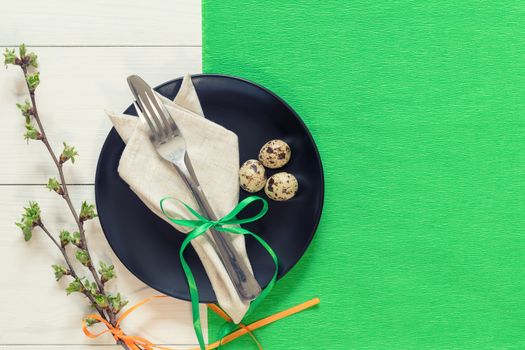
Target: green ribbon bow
column 200, row 226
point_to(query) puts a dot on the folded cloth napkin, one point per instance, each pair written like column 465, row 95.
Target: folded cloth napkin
column 214, row 154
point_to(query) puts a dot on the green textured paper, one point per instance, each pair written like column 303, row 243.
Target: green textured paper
column 418, row 110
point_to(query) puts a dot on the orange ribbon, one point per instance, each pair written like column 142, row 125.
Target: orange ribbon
column 262, row 322
column 133, row 342
column 227, row 318
column 138, row 343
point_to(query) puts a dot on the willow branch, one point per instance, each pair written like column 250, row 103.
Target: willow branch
column 109, row 315
column 72, row 271
column 65, row 194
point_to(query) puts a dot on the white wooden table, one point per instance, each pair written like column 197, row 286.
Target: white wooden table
column 86, row 50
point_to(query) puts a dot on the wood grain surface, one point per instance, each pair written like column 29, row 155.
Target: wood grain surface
column 86, row 50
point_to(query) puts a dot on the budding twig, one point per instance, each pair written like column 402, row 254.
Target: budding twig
column 71, row 268
column 59, row 166
column 108, row 306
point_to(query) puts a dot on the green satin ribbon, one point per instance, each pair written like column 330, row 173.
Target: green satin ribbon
column 200, row 226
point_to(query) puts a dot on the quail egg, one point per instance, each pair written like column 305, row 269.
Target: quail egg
column 281, row 186
column 275, row 154
column 252, row 176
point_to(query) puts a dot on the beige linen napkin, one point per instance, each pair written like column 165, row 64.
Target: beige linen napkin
column 214, row 153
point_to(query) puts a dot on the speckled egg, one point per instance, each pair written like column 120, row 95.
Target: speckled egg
column 281, row 186
column 252, row 176
column 275, row 154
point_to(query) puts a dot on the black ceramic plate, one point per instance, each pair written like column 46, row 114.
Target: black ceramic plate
column 149, row 247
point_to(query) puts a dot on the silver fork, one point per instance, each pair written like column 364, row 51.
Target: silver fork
column 170, row 144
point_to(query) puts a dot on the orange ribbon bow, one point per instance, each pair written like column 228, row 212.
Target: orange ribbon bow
column 133, row 342
column 138, row 343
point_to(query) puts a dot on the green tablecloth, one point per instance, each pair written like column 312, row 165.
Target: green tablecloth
column 418, row 109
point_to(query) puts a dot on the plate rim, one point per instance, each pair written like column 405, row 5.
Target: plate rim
column 307, row 244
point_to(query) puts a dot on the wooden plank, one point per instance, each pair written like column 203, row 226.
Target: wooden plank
column 35, row 308
column 99, row 22
column 77, row 84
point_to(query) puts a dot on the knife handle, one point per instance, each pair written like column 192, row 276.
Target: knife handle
column 243, row 279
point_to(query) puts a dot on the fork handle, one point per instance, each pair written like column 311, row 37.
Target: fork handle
column 243, row 279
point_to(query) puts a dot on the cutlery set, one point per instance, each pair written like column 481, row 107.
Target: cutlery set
column 171, row 146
